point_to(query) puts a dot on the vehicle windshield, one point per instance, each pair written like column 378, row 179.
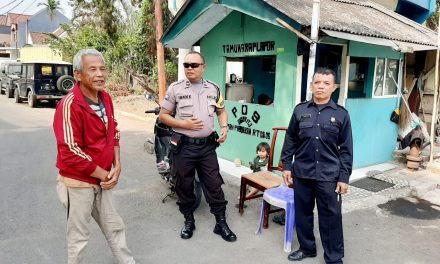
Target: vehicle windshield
column 14, row 69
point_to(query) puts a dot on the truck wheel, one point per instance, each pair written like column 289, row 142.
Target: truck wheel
column 32, row 99
column 17, row 96
column 65, row 83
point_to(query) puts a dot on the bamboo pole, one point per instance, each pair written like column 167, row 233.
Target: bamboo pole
column 434, row 108
column 160, row 50
column 314, row 37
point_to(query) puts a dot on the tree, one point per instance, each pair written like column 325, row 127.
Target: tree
column 52, row 6
column 102, row 14
column 432, row 21
column 125, row 35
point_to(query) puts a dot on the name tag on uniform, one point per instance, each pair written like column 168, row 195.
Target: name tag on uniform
column 182, row 97
column 306, row 116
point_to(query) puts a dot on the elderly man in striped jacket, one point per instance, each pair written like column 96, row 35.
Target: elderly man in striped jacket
column 89, row 159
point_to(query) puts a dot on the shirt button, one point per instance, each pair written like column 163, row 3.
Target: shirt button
column 317, row 137
column 317, row 162
column 319, row 113
column 317, row 124
column 317, row 150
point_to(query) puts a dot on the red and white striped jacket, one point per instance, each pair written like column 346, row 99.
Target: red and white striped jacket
column 83, row 140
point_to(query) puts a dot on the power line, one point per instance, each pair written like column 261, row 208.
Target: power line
column 13, row 7
column 8, row 4
column 22, row 12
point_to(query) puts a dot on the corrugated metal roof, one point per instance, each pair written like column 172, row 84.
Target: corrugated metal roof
column 359, row 17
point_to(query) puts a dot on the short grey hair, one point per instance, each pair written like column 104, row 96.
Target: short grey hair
column 77, row 60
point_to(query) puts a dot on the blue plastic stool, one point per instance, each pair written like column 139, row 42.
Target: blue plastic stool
column 282, row 197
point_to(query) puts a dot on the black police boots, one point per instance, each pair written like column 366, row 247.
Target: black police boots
column 188, row 227
column 221, row 228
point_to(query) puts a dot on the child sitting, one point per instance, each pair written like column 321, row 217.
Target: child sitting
column 260, row 162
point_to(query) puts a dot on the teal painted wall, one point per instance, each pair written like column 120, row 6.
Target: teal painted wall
column 373, row 133
column 257, row 120
column 358, row 49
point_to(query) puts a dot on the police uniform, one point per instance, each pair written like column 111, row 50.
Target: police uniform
column 320, row 140
column 197, row 150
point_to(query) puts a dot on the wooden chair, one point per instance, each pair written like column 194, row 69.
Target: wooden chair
column 262, row 180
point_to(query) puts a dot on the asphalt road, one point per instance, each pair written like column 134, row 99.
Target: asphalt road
column 32, row 221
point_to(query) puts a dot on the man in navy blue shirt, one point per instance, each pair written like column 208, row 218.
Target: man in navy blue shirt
column 317, row 157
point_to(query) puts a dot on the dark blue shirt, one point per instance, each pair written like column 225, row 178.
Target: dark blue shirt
column 320, row 142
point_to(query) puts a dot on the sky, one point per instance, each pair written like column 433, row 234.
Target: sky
column 30, row 7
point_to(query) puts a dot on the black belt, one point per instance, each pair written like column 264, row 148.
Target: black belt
column 197, row 141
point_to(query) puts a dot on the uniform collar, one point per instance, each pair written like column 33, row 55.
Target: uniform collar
column 188, row 83
column 330, row 104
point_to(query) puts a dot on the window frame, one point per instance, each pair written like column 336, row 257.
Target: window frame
column 399, row 78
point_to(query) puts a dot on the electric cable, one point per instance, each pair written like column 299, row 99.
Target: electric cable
column 8, row 4
column 22, row 12
column 13, row 7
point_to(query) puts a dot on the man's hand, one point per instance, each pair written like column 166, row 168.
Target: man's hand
column 288, row 178
column 342, row 187
column 112, row 178
column 223, row 135
column 193, row 124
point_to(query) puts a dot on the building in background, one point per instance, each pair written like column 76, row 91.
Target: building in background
column 364, row 42
column 17, row 30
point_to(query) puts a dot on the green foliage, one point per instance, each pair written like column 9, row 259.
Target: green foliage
column 432, row 21
column 129, row 46
column 86, row 37
column 52, row 6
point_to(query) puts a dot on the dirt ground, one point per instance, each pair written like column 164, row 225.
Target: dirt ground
column 134, row 104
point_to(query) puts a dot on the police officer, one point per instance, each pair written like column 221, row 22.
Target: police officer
column 320, row 141
column 195, row 101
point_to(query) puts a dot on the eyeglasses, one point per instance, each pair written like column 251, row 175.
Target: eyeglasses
column 192, row 65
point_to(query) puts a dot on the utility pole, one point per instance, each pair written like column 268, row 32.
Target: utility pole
column 314, row 37
column 160, row 50
column 434, row 108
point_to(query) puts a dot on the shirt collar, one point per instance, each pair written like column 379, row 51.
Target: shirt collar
column 330, row 104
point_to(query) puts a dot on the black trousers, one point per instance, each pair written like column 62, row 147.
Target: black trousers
column 329, row 218
column 203, row 158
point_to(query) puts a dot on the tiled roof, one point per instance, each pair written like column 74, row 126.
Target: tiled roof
column 58, row 31
column 39, row 38
column 13, row 18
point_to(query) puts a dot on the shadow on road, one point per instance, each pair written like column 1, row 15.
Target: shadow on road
column 417, row 208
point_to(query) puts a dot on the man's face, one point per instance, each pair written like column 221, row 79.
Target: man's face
column 94, row 74
column 323, row 85
column 194, row 74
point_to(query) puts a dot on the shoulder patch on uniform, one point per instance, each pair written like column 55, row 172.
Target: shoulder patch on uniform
column 220, row 102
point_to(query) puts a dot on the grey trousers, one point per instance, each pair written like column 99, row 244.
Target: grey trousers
column 84, row 203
